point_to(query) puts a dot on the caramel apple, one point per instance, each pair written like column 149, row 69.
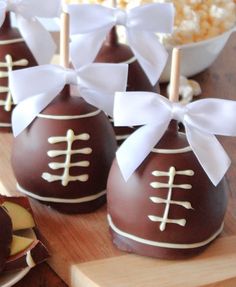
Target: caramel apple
column 14, row 54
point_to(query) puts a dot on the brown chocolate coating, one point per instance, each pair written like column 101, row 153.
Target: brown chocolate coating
column 5, row 237
column 114, row 52
column 17, row 51
column 30, row 157
column 38, row 252
column 130, row 204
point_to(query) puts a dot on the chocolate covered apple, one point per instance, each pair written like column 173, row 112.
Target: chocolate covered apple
column 14, row 54
column 19, row 246
column 168, row 208
column 114, row 52
column 67, row 140
column 69, row 149
column 166, row 190
column 143, row 53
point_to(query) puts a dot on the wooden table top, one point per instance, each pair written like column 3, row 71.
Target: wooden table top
column 218, row 81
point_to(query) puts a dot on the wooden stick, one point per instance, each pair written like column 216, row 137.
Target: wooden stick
column 175, row 76
column 64, row 40
column 114, row 3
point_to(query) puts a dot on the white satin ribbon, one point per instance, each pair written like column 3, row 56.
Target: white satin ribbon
column 38, row 39
column 202, row 120
column 34, row 88
column 91, row 23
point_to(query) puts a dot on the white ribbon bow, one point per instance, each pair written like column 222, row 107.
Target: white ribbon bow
column 38, row 39
column 34, row 88
column 91, row 23
column 202, row 120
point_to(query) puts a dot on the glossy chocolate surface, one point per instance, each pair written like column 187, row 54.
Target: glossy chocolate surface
column 114, row 52
column 18, row 52
column 30, row 157
column 130, row 204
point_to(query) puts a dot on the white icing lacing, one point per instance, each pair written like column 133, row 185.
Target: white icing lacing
column 171, row 174
column 164, row 244
column 172, row 151
column 69, row 117
column 121, row 137
column 65, row 178
column 129, row 61
column 9, row 64
column 11, row 41
column 5, row 125
column 61, row 200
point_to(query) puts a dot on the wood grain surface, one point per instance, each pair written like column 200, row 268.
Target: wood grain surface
column 81, row 249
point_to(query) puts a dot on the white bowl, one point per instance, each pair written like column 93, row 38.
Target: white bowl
column 196, row 57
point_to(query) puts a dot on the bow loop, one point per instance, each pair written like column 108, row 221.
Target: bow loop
column 47, row 81
column 202, row 120
column 3, row 7
column 91, row 23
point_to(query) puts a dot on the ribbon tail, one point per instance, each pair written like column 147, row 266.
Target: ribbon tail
column 38, row 39
column 26, row 111
column 2, row 12
column 149, row 52
column 209, row 152
column 85, row 47
column 136, row 148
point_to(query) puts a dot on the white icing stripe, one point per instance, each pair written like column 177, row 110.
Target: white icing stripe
column 68, row 117
column 172, row 151
column 5, row 125
column 164, row 244
column 129, row 61
column 11, row 41
column 61, row 200
column 185, row 204
column 9, row 65
column 69, row 139
column 29, row 259
column 121, row 137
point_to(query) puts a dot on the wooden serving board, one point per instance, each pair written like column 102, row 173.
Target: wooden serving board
column 83, row 254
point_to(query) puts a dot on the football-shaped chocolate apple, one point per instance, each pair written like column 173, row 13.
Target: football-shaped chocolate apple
column 168, row 208
column 114, row 52
column 5, row 237
column 63, row 158
column 14, row 54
